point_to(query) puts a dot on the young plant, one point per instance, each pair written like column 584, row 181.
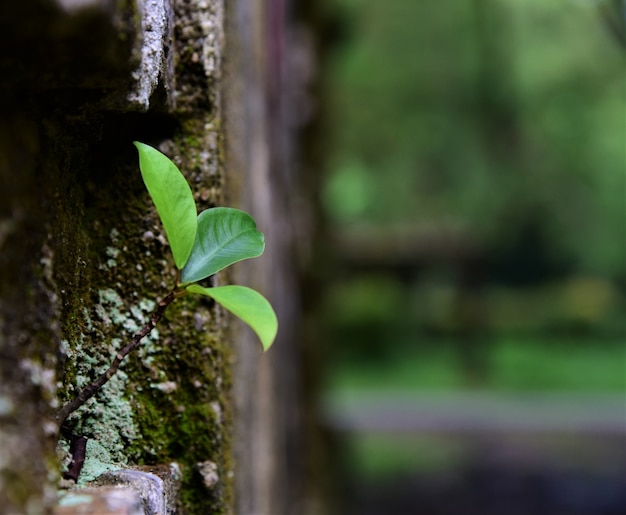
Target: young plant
column 202, row 246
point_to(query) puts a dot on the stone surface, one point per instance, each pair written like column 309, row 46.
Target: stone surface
column 54, row 64
column 155, row 64
column 149, row 487
column 101, row 501
column 157, row 487
column 77, row 276
column 141, row 491
column 83, row 258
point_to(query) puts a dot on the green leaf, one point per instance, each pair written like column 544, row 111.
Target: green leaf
column 247, row 304
column 173, row 200
column 224, row 236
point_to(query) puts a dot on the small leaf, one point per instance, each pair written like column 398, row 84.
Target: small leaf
column 225, row 236
column 247, row 304
column 173, row 200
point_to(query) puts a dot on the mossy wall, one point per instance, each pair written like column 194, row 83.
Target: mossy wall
column 83, row 259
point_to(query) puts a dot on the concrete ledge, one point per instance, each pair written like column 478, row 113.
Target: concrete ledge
column 142, row 491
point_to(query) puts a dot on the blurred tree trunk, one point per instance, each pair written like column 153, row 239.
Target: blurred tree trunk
column 496, row 82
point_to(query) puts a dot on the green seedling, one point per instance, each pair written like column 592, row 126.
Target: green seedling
column 201, row 246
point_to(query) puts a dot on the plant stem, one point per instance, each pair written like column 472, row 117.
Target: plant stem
column 90, row 390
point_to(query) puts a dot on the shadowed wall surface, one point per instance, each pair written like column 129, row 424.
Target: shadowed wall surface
column 84, row 260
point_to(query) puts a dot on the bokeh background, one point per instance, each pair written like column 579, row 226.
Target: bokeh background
column 473, row 249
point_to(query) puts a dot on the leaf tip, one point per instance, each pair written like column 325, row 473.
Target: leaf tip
column 268, row 337
column 265, row 345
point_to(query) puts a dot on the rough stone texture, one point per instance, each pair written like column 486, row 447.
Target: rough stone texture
column 44, row 172
column 149, row 491
column 158, row 488
column 83, row 258
column 149, row 487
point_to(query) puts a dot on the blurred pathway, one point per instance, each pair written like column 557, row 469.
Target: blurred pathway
column 479, row 412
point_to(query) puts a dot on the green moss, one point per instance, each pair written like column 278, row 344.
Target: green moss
column 188, row 389
column 170, row 401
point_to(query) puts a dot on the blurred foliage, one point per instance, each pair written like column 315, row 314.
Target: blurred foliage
column 503, row 116
column 377, row 317
column 375, row 456
column 517, row 364
column 475, row 193
column 503, row 121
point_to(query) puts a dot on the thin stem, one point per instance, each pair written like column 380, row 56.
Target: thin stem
column 90, row 390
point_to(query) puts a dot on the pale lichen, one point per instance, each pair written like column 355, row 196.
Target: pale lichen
column 108, row 417
column 98, row 460
column 6, row 406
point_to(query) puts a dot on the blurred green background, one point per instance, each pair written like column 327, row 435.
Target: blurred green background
column 492, row 131
column 475, row 195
